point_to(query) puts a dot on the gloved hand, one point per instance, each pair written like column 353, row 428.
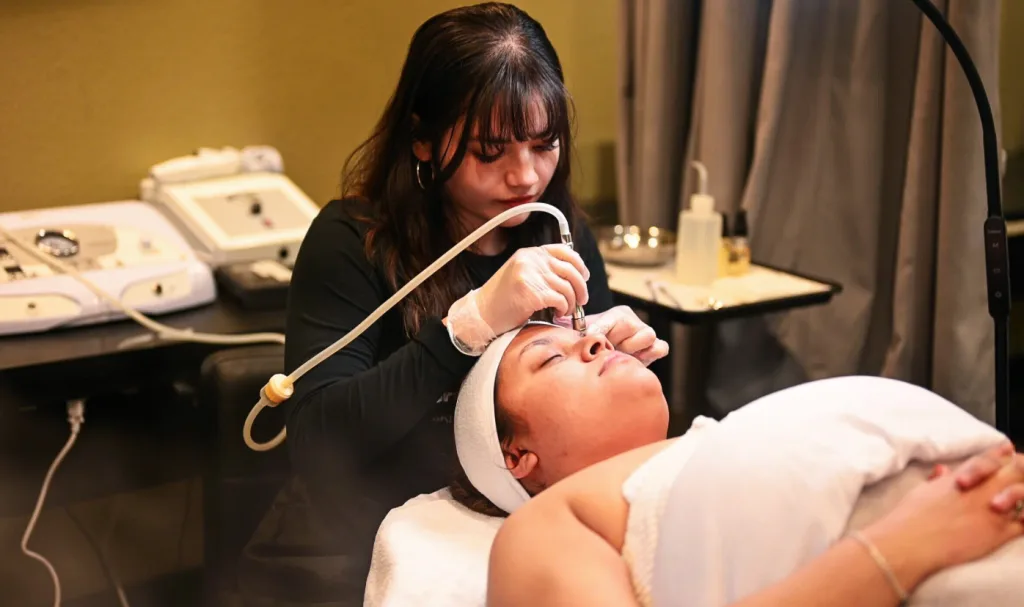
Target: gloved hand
column 628, row 334
column 533, row 279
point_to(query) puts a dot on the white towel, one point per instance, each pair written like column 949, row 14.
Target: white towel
column 773, row 485
column 646, row 491
column 431, row 551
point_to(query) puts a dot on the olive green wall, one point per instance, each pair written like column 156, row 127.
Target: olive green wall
column 93, row 92
column 1011, row 74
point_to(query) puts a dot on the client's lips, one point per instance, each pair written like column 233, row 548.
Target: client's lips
column 613, row 358
column 514, row 202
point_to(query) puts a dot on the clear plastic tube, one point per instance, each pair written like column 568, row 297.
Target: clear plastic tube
column 401, row 294
column 280, row 386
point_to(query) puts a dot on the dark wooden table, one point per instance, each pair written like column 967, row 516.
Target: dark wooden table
column 119, row 338
column 664, row 302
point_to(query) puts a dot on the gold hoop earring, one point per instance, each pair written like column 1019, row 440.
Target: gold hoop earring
column 419, row 179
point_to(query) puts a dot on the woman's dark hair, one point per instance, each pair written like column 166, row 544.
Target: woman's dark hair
column 488, row 63
column 462, row 490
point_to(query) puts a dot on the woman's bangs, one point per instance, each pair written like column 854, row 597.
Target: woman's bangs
column 512, row 108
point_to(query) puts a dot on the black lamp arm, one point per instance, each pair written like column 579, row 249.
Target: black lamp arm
column 997, row 257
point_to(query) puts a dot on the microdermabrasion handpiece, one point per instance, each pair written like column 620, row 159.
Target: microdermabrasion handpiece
column 579, row 320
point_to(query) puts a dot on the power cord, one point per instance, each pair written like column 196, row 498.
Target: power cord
column 76, row 417
column 97, row 546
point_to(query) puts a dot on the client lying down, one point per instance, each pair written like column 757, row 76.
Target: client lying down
column 569, row 436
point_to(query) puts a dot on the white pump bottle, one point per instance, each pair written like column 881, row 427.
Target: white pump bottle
column 699, row 236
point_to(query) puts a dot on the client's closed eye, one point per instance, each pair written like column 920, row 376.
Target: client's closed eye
column 550, row 359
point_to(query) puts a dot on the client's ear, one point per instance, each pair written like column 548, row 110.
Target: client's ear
column 520, row 463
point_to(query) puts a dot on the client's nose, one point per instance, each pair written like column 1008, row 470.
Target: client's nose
column 593, row 345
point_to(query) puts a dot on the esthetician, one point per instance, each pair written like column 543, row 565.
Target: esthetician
column 480, row 122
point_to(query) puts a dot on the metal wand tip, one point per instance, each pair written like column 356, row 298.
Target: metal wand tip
column 579, row 323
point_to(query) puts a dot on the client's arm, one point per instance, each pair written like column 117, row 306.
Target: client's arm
column 844, row 576
column 546, row 555
column 549, row 558
column 948, row 521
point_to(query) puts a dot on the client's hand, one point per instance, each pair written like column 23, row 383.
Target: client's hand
column 958, row 517
column 628, row 334
column 980, row 468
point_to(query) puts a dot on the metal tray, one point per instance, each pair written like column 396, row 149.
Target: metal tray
column 630, row 245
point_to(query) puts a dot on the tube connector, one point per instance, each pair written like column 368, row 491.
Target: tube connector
column 76, row 413
column 278, row 389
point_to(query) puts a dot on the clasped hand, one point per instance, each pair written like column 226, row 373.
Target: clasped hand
column 957, row 516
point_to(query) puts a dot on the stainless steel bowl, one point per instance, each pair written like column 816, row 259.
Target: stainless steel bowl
column 636, row 245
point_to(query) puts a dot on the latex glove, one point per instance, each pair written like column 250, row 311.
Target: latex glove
column 628, row 334
column 533, row 279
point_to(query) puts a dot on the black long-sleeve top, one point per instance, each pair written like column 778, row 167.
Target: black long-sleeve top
column 371, row 427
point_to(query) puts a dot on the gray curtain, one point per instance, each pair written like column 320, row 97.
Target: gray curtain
column 848, row 133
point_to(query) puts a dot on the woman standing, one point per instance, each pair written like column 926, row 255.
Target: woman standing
column 479, row 123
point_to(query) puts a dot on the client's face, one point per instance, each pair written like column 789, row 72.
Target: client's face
column 580, row 400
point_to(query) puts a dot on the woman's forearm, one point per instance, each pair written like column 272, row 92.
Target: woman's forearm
column 845, row 575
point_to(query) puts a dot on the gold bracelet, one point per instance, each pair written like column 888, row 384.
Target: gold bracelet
column 882, row 564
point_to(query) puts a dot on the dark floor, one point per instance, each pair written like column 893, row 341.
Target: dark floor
column 126, row 502
column 183, row 589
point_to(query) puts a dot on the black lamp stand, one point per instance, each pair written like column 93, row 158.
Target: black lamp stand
column 997, row 258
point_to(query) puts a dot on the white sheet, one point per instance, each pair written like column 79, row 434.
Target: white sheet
column 431, row 551
column 774, row 483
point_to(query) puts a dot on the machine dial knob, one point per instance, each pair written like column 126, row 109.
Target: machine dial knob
column 59, row 243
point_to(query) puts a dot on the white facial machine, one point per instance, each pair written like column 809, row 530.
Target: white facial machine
column 234, row 205
column 127, row 249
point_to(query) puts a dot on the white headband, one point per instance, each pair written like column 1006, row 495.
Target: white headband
column 476, row 433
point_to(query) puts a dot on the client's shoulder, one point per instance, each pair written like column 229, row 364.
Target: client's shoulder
column 594, row 495
column 609, row 474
